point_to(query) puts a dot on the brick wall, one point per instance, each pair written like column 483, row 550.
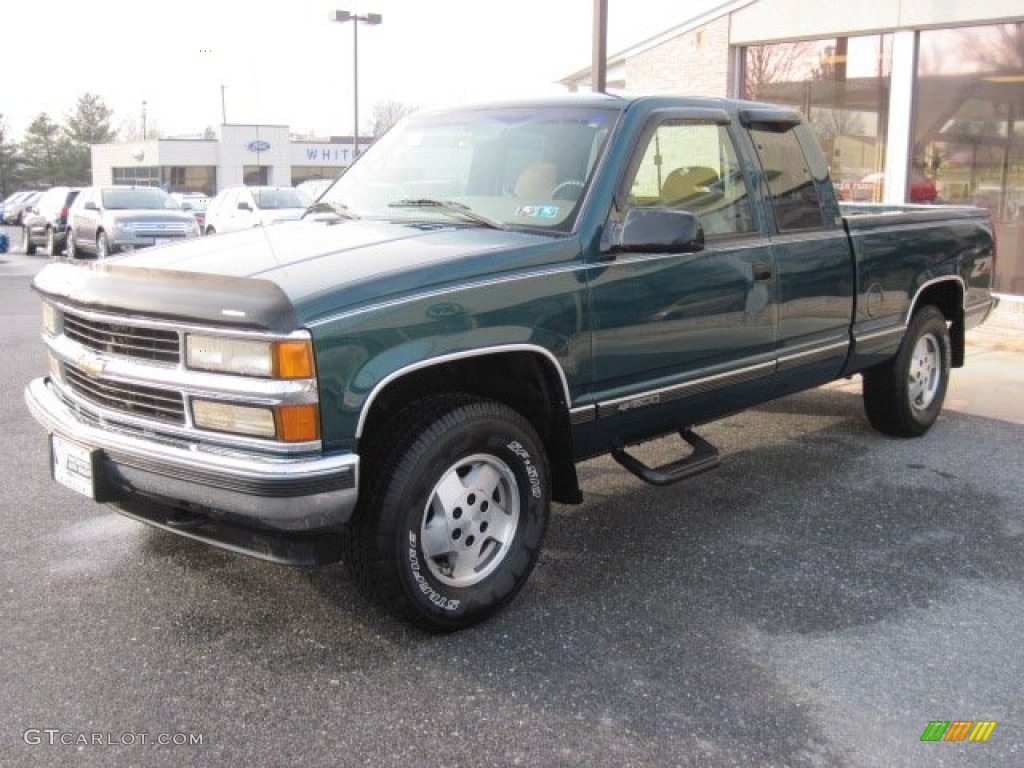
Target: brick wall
column 695, row 63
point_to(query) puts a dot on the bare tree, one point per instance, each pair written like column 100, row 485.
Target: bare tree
column 998, row 49
column 828, row 123
column 130, row 129
column 386, row 114
column 765, row 65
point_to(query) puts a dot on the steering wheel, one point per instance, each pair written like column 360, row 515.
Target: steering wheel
column 565, row 186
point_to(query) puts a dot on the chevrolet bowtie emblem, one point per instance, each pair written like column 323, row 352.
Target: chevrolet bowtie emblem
column 91, row 364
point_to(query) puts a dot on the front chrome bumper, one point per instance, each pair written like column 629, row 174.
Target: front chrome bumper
column 268, row 493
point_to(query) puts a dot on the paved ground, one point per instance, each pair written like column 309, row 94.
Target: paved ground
column 816, row 601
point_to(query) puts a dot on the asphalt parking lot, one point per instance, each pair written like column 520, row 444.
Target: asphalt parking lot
column 817, row 601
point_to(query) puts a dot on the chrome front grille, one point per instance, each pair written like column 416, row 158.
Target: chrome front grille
column 157, row 229
column 124, row 339
column 162, row 405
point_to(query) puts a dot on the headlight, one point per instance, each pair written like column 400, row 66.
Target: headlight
column 290, row 359
column 290, row 423
column 228, row 417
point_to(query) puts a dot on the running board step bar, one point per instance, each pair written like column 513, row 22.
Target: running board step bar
column 703, row 458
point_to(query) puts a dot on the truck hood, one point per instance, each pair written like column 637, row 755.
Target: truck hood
column 298, row 271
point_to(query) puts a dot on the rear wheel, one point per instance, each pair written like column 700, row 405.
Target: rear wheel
column 904, row 396
column 455, row 507
column 102, row 246
column 30, row 247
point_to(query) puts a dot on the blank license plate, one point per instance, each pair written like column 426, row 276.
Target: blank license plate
column 72, row 466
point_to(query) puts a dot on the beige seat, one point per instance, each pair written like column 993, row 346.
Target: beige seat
column 685, row 183
column 536, row 182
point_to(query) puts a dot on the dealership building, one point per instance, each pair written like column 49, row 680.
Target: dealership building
column 241, row 154
column 912, row 100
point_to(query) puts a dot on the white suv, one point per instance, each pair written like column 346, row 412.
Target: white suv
column 237, row 208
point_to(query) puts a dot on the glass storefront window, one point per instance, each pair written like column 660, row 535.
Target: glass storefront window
column 191, row 178
column 138, row 176
column 968, row 130
column 301, row 173
column 842, row 87
column 256, row 175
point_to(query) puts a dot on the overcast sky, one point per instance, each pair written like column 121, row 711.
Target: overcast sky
column 284, row 62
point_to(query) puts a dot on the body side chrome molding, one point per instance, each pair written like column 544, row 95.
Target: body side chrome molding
column 897, row 329
column 676, row 391
column 814, row 355
column 583, row 414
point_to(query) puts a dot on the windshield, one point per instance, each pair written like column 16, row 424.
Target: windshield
column 194, row 202
column 522, row 168
column 278, row 198
column 143, row 198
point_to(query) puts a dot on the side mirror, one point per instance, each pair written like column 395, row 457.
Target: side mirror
column 91, row 206
column 186, row 206
column 657, row 230
column 243, row 206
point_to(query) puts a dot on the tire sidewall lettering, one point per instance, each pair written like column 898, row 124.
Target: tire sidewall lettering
column 424, row 586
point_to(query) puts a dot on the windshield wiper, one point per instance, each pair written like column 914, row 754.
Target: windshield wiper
column 448, row 206
column 330, row 206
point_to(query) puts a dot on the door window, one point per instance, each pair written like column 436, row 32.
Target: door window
column 790, row 179
column 693, row 166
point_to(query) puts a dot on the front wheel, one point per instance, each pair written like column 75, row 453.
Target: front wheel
column 51, row 244
column 30, row 247
column 904, row 396
column 69, row 240
column 456, row 505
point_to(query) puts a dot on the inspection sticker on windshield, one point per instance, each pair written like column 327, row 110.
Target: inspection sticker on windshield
column 72, row 466
column 538, row 211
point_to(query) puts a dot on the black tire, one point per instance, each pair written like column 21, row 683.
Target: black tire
column 455, row 502
column 69, row 241
column 210, row 231
column 52, row 251
column 30, row 247
column 904, row 396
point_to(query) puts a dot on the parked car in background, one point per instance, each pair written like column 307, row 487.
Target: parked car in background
column 237, row 208
column 105, row 220
column 14, row 206
column 194, row 202
column 9, row 201
column 46, row 222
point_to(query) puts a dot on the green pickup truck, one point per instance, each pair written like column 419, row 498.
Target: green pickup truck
column 407, row 377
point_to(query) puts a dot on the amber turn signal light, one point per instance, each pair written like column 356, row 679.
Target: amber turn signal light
column 298, row 423
column 293, row 360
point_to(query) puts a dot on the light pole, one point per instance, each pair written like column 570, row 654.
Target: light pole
column 367, row 18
